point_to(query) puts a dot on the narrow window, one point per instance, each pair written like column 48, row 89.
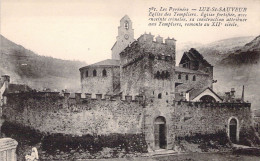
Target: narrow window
column 157, row 74
column 194, row 78
column 159, row 96
column 187, row 77
column 179, row 76
column 82, row 75
column 104, row 73
column 163, row 75
column 94, row 73
column 86, row 74
column 167, row 74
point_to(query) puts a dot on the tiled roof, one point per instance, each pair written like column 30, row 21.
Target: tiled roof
column 107, row 62
column 186, row 70
column 195, row 92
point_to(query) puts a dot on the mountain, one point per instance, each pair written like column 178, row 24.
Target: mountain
column 248, row 54
column 241, row 67
column 26, row 67
column 215, row 51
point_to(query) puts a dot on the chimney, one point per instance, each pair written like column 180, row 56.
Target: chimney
column 6, row 80
column 232, row 92
column 159, row 39
column 243, row 90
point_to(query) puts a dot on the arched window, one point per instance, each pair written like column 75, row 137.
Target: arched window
column 159, row 96
column 194, row 78
column 163, row 75
column 167, row 74
column 179, row 76
column 94, row 73
column 187, row 77
column 86, row 74
column 207, row 98
column 157, row 74
column 104, row 73
column 126, row 25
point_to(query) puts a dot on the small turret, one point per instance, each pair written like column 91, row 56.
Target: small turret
column 146, row 37
column 159, row 39
column 170, row 42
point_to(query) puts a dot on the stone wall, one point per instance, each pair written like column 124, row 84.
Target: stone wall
column 52, row 113
column 100, row 84
column 147, row 67
column 202, row 81
column 191, row 118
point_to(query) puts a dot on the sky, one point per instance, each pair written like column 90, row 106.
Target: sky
column 86, row 30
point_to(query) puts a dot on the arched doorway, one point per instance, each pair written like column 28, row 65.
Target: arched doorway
column 207, row 98
column 160, row 133
column 233, row 130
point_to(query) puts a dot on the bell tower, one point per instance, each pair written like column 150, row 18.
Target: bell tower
column 124, row 38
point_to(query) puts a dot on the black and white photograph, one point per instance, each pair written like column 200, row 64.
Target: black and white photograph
column 129, row 80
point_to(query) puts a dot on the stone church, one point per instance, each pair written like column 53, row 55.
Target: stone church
column 147, row 67
column 139, row 93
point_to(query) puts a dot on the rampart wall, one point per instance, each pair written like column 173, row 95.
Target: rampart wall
column 51, row 112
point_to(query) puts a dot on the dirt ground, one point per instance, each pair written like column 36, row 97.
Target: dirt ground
column 191, row 157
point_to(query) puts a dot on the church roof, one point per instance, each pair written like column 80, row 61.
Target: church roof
column 186, row 70
column 195, row 92
column 107, row 62
column 194, row 55
column 114, row 45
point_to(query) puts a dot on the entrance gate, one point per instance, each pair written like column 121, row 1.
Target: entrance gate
column 233, row 130
column 160, row 133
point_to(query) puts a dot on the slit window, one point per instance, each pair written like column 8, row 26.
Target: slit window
column 86, row 73
column 187, row 77
column 159, row 96
column 104, row 73
column 94, row 73
column 179, row 76
column 194, row 78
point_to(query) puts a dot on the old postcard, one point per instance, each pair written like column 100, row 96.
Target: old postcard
column 120, row 79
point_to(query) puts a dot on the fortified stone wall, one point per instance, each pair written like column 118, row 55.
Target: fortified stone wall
column 52, row 113
column 191, row 118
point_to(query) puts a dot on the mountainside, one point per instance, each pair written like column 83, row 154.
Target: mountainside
column 241, row 67
column 218, row 50
column 26, row 67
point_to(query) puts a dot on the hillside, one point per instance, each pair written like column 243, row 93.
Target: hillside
column 218, row 50
column 27, row 67
column 241, row 67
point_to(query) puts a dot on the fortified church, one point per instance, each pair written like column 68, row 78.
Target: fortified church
column 146, row 67
column 140, row 92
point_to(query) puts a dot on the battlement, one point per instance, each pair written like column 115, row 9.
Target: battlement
column 79, row 97
column 150, row 38
column 211, row 104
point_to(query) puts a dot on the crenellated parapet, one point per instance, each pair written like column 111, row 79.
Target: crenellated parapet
column 78, row 97
column 211, row 104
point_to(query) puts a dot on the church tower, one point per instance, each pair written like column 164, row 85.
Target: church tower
column 124, row 38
